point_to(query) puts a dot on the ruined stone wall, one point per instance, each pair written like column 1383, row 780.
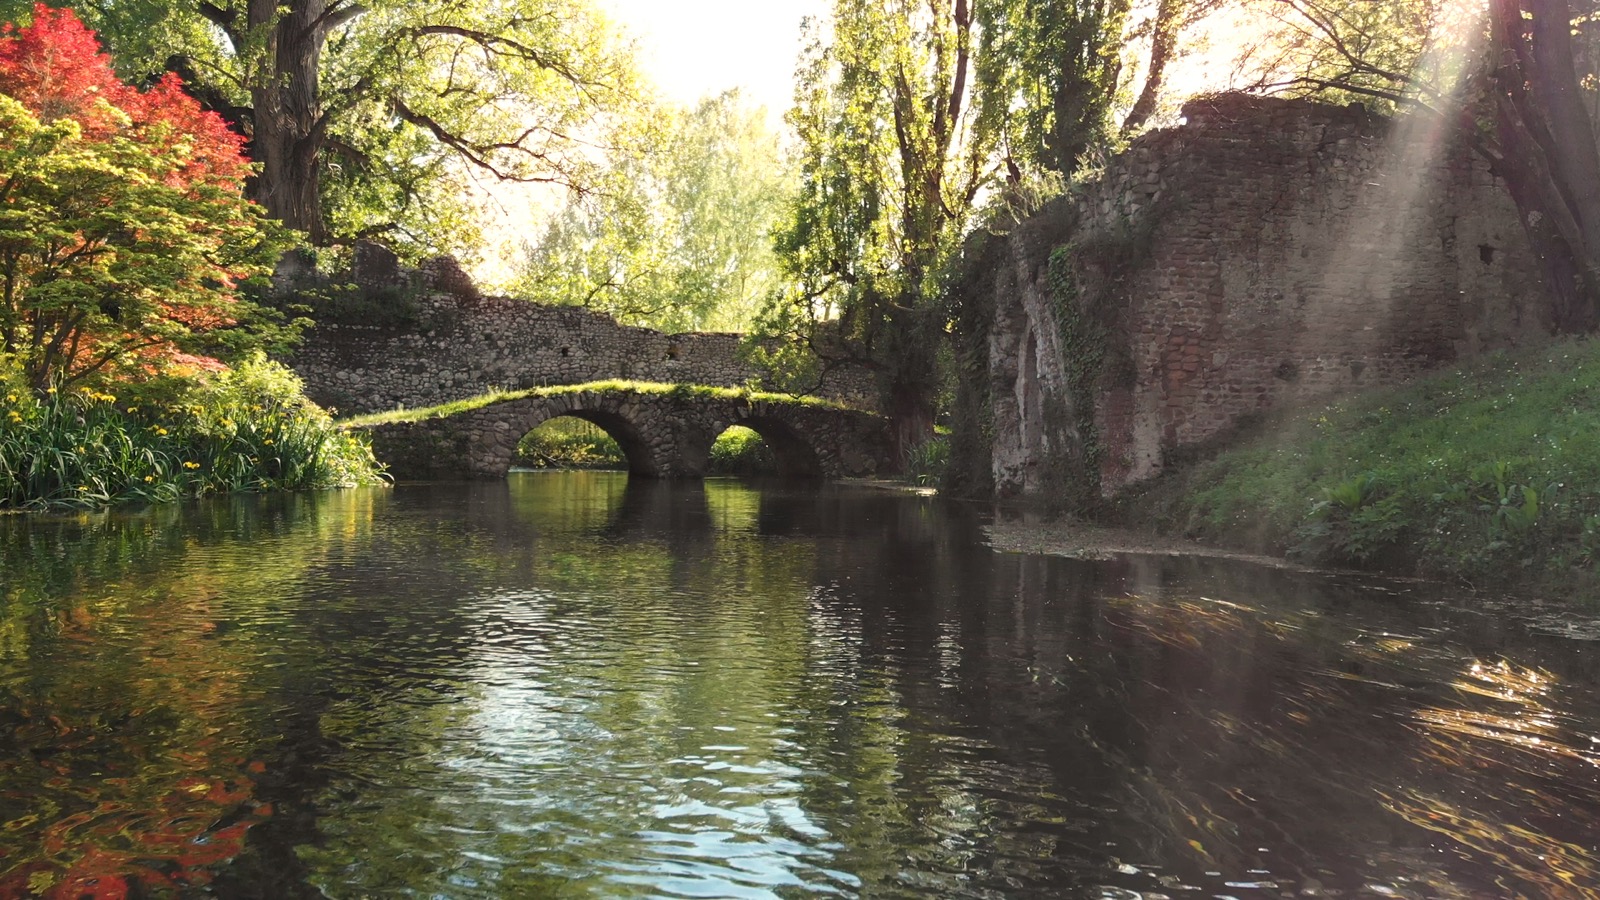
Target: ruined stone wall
column 1265, row 253
column 454, row 343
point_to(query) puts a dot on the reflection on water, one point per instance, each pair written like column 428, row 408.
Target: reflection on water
column 581, row 685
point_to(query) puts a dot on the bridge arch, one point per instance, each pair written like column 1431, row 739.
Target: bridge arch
column 794, row 454
column 664, row 433
column 634, row 444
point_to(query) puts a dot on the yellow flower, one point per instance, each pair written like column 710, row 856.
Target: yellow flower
column 81, row 450
column 15, row 416
column 133, row 409
column 268, row 442
column 149, row 478
column 160, row 430
column 83, row 488
column 191, row 465
column 51, row 390
column 11, row 398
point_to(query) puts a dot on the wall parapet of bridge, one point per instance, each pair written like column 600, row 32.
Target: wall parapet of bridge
column 432, row 338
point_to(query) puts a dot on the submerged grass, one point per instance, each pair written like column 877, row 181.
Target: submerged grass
column 615, row 386
column 1489, row 473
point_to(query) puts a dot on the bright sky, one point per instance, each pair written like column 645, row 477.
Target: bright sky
column 692, row 48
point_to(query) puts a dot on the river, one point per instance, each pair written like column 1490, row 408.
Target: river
column 585, row 685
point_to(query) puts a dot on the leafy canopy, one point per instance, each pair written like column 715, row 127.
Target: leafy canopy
column 1049, row 70
column 677, row 235
column 124, row 236
column 366, row 118
column 892, row 156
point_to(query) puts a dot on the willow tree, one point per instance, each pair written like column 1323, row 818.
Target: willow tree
column 357, row 111
column 892, row 155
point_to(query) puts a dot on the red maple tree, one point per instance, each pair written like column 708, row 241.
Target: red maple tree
column 123, row 225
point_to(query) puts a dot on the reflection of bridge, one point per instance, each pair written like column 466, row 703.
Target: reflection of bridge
column 664, row 431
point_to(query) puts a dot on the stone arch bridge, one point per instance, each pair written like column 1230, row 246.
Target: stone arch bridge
column 665, row 431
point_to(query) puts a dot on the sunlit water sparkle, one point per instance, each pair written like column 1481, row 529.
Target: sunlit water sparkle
column 581, row 685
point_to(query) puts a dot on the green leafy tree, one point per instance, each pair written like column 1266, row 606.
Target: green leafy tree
column 677, row 234
column 893, row 154
column 124, row 235
column 360, row 113
column 1050, row 69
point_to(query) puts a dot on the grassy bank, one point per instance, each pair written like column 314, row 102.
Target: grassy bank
column 247, row 429
column 1488, row 473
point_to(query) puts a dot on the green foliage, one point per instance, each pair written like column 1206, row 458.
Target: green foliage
column 246, row 429
column 1489, row 473
column 677, row 236
column 1346, row 51
column 929, row 461
column 1083, row 348
column 113, row 259
column 1049, row 72
column 406, row 99
column 320, row 291
column 893, row 153
column 741, row 451
column 570, row 443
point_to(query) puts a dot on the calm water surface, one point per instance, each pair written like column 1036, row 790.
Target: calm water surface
column 577, row 685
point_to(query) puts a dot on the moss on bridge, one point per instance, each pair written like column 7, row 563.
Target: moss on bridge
column 708, row 392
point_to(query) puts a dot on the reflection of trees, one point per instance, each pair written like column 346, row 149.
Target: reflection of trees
column 130, row 698
column 581, row 683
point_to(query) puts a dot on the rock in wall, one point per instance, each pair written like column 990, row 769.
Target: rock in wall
column 1265, row 253
column 455, row 343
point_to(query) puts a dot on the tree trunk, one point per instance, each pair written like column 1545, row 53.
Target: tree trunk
column 1163, row 40
column 1572, row 309
column 289, row 127
column 1549, row 155
column 911, row 412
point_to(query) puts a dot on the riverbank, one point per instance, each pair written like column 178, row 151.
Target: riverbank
column 1091, row 541
column 248, row 428
column 1487, row 474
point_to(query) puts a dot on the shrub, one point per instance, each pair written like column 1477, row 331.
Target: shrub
column 124, row 232
column 245, row 429
column 570, row 443
column 741, row 451
column 928, row 461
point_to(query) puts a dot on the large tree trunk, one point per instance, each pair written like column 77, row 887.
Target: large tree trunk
column 911, row 414
column 289, row 126
column 1549, row 155
column 1163, row 41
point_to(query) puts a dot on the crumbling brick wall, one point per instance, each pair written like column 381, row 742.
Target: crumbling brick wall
column 1265, row 253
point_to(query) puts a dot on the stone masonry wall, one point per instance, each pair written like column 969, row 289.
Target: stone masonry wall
column 1265, row 253
column 459, row 344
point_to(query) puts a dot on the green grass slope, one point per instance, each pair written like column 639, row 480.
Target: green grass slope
column 1489, row 473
